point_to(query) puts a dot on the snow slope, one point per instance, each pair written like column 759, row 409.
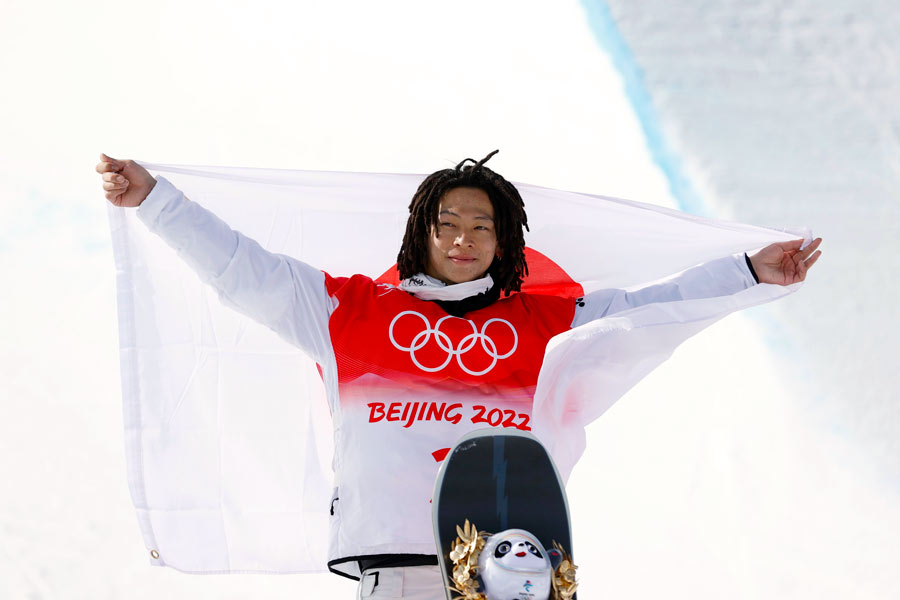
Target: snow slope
column 787, row 112
column 774, row 113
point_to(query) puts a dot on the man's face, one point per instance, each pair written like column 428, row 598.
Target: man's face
column 464, row 244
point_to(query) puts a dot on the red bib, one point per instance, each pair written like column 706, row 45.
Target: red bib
column 379, row 329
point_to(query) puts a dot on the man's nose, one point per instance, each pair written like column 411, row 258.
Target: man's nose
column 463, row 239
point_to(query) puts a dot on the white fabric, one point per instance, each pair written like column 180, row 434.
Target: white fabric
column 227, row 426
column 426, row 287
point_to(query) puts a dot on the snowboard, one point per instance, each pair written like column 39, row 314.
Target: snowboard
column 504, row 483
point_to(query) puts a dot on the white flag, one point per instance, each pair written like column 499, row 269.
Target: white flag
column 228, row 433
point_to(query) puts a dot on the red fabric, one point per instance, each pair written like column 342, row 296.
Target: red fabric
column 380, row 329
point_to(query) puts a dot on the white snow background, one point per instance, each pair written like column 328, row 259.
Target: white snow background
column 760, row 461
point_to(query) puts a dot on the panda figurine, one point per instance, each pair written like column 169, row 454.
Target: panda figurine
column 513, row 565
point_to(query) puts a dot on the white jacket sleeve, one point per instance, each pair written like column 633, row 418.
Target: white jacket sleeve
column 720, row 277
column 278, row 291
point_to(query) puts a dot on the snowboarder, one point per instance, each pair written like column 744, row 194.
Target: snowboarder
column 408, row 368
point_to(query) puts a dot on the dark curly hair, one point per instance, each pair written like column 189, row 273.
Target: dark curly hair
column 510, row 221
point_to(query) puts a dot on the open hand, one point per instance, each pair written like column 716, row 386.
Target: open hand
column 126, row 182
column 784, row 263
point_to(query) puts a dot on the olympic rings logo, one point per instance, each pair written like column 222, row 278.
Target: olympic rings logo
column 443, row 340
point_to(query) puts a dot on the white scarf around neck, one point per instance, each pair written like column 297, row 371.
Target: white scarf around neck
column 425, row 287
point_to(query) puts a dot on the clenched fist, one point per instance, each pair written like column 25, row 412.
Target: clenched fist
column 126, row 183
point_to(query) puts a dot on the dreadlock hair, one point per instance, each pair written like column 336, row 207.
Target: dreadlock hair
column 510, row 268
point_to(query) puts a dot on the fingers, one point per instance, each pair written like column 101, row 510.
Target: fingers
column 792, row 249
column 811, row 248
column 115, row 185
column 804, row 254
column 791, row 246
column 108, row 164
column 105, row 158
column 112, row 181
column 114, row 177
column 807, row 264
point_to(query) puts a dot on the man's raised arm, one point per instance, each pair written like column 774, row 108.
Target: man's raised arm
column 781, row 263
column 278, row 291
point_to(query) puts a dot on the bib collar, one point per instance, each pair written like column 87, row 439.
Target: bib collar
column 456, row 299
